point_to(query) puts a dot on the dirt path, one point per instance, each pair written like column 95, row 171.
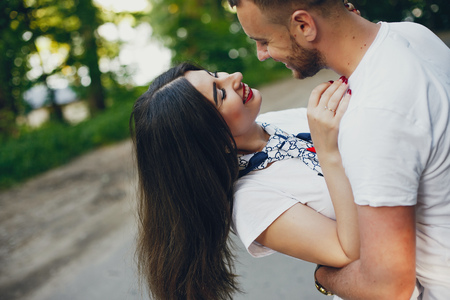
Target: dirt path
column 57, row 217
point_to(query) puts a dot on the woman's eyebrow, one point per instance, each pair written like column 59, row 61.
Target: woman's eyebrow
column 215, row 93
column 211, row 73
column 214, row 86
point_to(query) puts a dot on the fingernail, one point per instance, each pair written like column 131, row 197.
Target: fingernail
column 343, row 79
column 331, row 81
column 349, row 91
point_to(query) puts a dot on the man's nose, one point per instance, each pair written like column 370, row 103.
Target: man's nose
column 262, row 53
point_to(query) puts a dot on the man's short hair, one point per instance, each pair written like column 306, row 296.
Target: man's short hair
column 280, row 10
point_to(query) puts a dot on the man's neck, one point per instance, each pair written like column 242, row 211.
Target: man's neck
column 345, row 42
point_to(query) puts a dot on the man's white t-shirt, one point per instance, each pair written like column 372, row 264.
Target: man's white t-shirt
column 395, row 140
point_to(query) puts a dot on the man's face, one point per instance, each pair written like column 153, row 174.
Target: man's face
column 276, row 42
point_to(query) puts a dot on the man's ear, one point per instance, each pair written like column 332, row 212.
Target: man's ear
column 302, row 23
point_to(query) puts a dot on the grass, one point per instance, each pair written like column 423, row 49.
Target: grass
column 54, row 144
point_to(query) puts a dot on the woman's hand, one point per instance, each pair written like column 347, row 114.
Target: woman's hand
column 327, row 104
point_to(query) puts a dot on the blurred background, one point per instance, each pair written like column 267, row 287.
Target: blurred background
column 70, row 67
column 70, row 72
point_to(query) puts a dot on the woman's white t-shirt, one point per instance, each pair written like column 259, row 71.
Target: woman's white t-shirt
column 263, row 195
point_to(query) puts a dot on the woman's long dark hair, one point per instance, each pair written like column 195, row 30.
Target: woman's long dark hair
column 186, row 161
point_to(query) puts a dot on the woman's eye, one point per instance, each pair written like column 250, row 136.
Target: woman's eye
column 224, row 94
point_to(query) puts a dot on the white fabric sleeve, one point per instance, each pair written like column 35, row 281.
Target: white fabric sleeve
column 384, row 154
column 256, row 207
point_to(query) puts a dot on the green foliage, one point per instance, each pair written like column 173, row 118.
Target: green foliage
column 435, row 14
column 55, row 144
column 69, row 26
column 73, row 24
column 14, row 49
column 208, row 33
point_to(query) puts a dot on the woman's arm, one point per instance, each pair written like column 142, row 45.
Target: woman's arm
column 327, row 104
column 302, row 232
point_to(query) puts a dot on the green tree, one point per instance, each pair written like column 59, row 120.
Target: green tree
column 16, row 42
column 70, row 24
column 74, row 23
column 89, row 19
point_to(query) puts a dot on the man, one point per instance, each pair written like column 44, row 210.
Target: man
column 394, row 138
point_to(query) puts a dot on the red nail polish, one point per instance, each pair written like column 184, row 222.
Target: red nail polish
column 344, row 79
column 349, row 91
column 331, row 81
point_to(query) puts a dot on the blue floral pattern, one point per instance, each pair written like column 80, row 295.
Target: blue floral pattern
column 281, row 145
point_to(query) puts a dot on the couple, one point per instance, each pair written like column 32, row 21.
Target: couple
column 394, row 141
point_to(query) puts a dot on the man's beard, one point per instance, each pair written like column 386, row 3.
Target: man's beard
column 304, row 62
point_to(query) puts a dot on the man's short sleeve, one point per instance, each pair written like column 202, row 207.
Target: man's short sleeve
column 384, row 154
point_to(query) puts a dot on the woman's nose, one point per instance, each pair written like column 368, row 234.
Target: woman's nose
column 234, row 78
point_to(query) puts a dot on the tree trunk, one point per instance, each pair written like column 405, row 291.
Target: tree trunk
column 87, row 13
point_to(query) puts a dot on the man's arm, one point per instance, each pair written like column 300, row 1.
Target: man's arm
column 386, row 268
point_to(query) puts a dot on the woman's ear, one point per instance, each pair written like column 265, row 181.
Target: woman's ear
column 302, row 23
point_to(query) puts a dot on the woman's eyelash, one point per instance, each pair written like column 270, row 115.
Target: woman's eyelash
column 224, row 93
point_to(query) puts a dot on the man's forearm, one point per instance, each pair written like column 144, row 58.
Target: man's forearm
column 351, row 283
column 341, row 282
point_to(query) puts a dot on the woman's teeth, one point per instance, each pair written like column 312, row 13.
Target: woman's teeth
column 247, row 92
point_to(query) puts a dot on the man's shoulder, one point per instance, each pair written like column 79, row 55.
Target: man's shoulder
column 403, row 51
column 403, row 40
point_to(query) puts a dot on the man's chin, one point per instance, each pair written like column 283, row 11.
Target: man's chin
column 299, row 75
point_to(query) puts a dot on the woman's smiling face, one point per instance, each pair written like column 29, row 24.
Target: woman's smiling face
column 238, row 104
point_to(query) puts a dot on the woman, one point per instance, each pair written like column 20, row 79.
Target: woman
column 189, row 128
